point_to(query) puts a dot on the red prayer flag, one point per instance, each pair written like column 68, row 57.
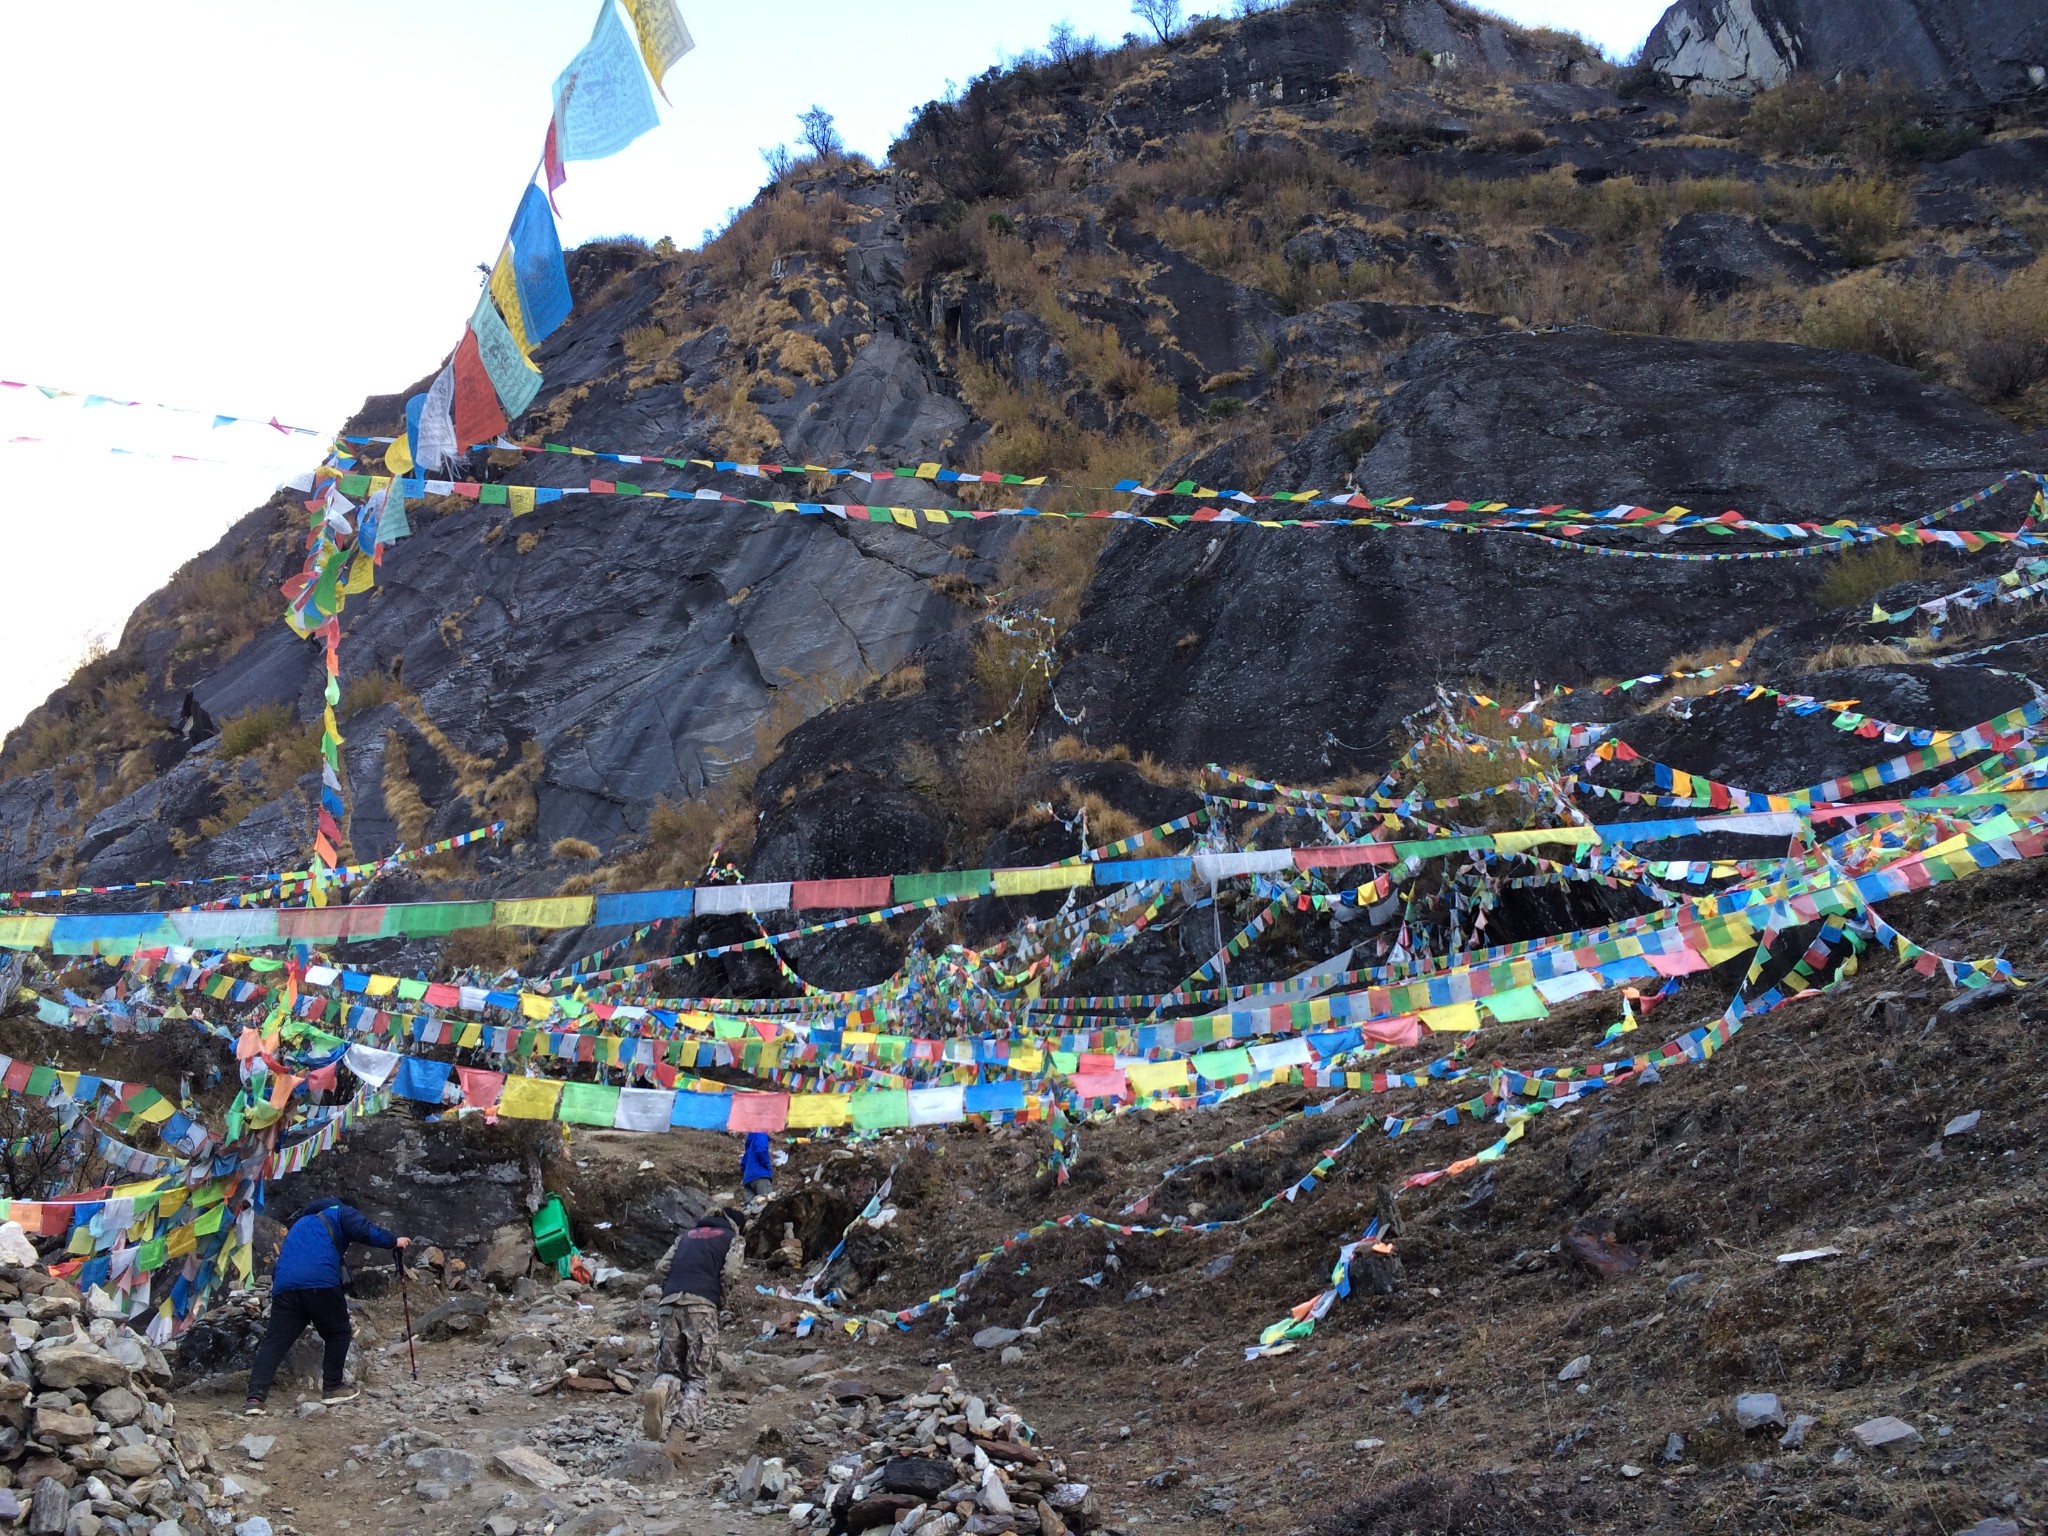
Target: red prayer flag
column 478, row 418
column 551, row 162
column 758, row 1112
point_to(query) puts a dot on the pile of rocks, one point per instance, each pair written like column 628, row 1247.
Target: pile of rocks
column 937, row 1462
column 88, row 1439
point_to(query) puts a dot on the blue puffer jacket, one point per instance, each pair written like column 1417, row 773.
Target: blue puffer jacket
column 310, row 1259
column 755, row 1161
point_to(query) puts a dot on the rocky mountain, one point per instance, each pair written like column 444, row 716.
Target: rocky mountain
column 1403, row 247
column 1968, row 51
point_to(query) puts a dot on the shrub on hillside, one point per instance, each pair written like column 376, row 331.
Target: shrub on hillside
column 1858, row 576
column 254, row 728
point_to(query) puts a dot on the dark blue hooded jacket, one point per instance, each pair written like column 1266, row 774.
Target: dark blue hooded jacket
column 755, row 1162
column 310, row 1259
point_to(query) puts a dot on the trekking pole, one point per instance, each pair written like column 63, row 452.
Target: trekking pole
column 405, row 1299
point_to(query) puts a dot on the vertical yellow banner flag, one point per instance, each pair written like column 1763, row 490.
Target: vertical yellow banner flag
column 663, row 37
column 505, row 291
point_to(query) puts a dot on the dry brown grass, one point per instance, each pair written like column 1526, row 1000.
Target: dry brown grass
column 573, row 848
column 488, row 951
column 402, row 799
column 957, row 585
column 1106, row 823
column 907, row 681
column 365, row 693
column 1835, row 657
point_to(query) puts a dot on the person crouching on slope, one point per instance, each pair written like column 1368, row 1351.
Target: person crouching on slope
column 757, row 1166
column 692, row 1279
column 307, row 1288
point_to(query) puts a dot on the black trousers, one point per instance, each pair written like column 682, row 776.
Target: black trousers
column 290, row 1312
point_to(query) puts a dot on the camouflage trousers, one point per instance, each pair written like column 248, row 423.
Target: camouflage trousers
column 686, row 1351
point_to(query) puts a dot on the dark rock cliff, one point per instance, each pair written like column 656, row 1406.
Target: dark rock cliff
column 1397, row 246
column 1967, row 51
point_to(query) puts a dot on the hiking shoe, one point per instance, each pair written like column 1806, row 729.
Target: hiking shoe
column 341, row 1395
column 255, row 1408
column 654, row 1408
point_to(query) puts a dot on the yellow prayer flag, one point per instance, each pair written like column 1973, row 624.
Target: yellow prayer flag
column 663, row 37
column 472, row 1035
column 529, row 1098
column 505, row 294
column 1149, row 1077
column 398, row 456
column 520, row 498
column 1512, row 842
column 25, row 932
column 1455, row 1019
column 534, row 1006
column 1053, row 877
column 180, row 1241
column 904, row 516
column 547, row 912
column 810, row 1110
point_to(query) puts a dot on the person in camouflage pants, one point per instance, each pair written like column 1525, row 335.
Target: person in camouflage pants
column 686, row 1324
column 685, row 1352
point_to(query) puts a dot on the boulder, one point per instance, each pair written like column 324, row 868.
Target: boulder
column 58, row 1426
column 530, row 1466
column 1717, row 254
column 643, row 1464
column 49, row 1508
column 118, row 1406
column 65, row 1365
column 510, row 1254
column 922, row 1477
column 444, row 1464
column 1886, row 1432
column 458, row 1314
column 1755, row 1410
column 133, row 1461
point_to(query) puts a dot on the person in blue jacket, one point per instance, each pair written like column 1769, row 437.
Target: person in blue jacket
column 757, row 1165
column 307, row 1287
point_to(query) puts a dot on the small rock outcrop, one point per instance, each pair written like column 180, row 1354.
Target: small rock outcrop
column 1721, row 253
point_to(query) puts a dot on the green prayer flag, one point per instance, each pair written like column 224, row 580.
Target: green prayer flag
column 1521, row 1005
column 880, row 1109
column 947, row 884
column 589, row 1103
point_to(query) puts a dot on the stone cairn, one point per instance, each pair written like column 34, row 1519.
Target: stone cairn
column 89, row 1441
column 941, row 1462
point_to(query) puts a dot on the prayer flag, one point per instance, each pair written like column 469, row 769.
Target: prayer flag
column 663, row 37
column 541, row 279
column 476, row 414
column 529, row 1098
column 515, row 380
column 602, row 103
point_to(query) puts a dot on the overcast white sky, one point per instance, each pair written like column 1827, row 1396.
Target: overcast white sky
column 276, row 207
